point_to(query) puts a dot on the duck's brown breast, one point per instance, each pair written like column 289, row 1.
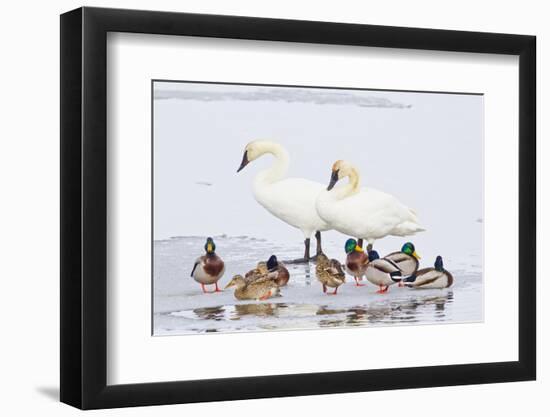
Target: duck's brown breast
column 213, row 265
column 282, row 276
column 450, row 279
column 356, row 260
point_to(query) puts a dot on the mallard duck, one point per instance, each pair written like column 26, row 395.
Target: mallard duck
column 356, row 261
column 277, row 271
column 272, row 270
column 290, row 199
column 365, row 213
column 257, row 273
column 382, row 272
column 436, row 277
column 329, row 273
column 255, row 290
column 406, row 259
column 209, row 268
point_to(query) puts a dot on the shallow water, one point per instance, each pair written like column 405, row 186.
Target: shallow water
column 180, row 307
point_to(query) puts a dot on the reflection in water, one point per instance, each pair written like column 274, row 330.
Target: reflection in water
column 255, row 310
column 271, row 316
column 301, row 274
column 210, row 313
column 307, row 273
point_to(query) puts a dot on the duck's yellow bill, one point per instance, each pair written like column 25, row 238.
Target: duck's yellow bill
column 209, row 247
column 228, row 285
column 358, row 248
column 416, row 255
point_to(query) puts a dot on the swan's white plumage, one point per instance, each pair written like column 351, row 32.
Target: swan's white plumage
column 365, row 213
column 293, row 201
column 290, row 199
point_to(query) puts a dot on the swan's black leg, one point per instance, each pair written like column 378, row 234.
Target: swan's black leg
column 306, row 257
column 306, row 249
column 360, row 243
column 318, row 237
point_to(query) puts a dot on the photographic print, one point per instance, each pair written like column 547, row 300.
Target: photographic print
column 302, row 207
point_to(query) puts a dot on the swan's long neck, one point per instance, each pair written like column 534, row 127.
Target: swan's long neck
column 278, row 170
column 350, row 188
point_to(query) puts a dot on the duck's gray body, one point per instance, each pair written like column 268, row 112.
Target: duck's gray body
column 430, row 278
column 407, row 264
column 383, row 272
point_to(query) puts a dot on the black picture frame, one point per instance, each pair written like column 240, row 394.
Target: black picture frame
column 84, row 207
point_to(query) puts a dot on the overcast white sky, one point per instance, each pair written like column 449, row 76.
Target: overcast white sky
column 424, row 148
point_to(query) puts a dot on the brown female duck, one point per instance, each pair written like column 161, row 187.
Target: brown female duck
column 329, row 273
column 257, row 273
column 256, row 290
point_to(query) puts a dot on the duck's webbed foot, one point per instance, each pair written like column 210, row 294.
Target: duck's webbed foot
column 204, row 290
column 357, row 283
column 383, row 289
column 334, row 292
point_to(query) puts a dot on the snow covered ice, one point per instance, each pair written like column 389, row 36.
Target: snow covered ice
column 180, row 307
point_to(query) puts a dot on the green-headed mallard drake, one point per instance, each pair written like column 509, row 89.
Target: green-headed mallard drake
column 209, row 268
column 382, row 272
column 329, row 273
column 356, row 261
column 256, row 290
column 436, row 277
column 406, row 259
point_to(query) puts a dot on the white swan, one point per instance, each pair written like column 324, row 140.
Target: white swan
column 290, row 199
column 364, row 213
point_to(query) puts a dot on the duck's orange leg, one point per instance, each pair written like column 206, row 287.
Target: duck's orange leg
column 383, row 289
column 265, row 296
column 204, row 290
column 357, row 284
column 217, row 289
column 333, row 293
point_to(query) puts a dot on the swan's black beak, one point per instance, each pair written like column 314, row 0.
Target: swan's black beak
column 333, row 180
column 244, row 162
